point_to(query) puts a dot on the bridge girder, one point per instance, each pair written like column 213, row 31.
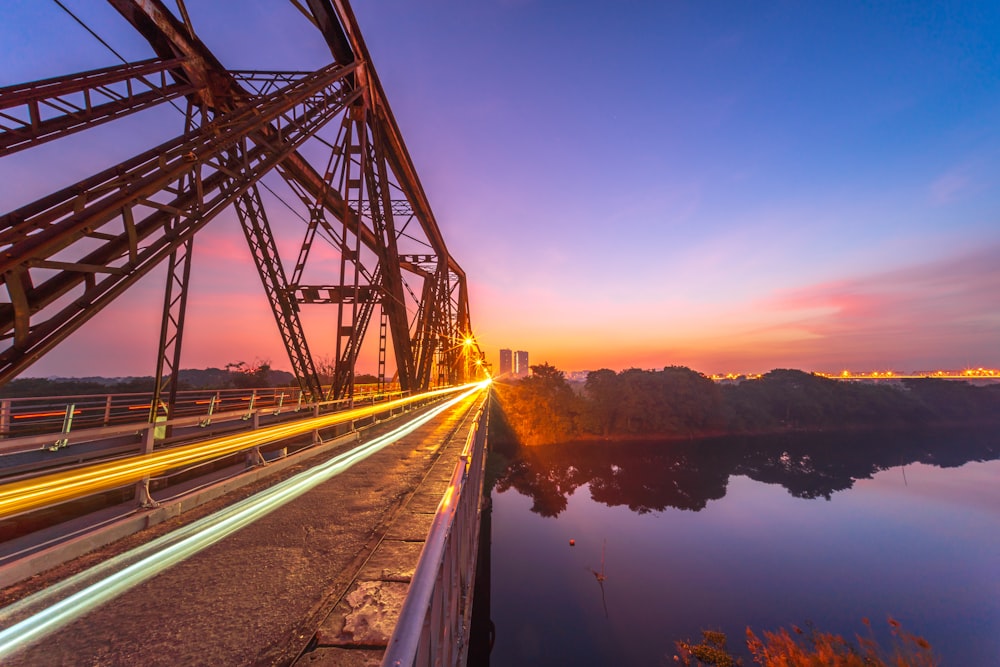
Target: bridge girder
column 40, row 111
column 67, row 255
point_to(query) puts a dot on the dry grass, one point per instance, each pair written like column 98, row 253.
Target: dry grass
column 812, row 648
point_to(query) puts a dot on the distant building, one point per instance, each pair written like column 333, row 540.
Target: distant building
column 521, row 364
column 506, row 362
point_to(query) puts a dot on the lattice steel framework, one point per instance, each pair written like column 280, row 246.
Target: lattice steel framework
column 71, row 253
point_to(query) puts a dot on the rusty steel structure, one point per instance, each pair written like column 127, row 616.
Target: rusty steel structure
column 69, row 254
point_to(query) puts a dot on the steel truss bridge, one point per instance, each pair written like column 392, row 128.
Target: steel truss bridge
column 70, row 253
column 328, row 138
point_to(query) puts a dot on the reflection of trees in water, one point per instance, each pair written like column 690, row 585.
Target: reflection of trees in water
column 652, row 476
column 643, row 477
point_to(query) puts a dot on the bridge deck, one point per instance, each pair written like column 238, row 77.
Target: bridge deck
column 328, row 570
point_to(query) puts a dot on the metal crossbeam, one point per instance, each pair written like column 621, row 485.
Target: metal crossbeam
column 257, row 230
column 168, row 362
column 37, row 112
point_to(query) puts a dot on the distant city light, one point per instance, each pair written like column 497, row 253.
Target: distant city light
column 964, row 374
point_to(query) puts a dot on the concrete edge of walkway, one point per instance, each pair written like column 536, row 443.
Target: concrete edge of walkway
column 359, row 624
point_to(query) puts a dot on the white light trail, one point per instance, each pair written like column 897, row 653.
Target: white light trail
column 143, row 562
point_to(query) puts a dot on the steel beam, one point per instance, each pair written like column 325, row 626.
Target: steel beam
column 390, row 143
column 37, row 112
column 344, row 376
column 394, row 300
column 170, row 38
column 257, row 230
column 397, row 154
column 328, row 24
column 168, row 358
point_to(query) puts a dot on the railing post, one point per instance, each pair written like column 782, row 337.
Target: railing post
column 66, row 427
column 250, row 412
column 254, row 457
column 5, row 418
column 160, row 427
column 211, row 408
column 107, row 411
column 142, row 497
column 316, row 439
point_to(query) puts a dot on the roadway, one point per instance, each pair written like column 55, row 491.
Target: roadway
column 326, row 570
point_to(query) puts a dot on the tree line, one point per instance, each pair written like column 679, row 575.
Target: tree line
column 679, row 402
column 257, row 374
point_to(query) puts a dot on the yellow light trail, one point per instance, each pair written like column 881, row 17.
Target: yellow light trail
column 47, row 490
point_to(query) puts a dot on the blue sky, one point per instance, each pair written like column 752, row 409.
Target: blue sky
column 730, row 186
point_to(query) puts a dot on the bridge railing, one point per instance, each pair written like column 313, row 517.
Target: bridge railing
column 433, row 625
column 22, row 416
column 241, row 410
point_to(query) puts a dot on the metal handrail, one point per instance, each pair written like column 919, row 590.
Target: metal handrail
column 216, row 408
column 433, row 623
column 21, row 416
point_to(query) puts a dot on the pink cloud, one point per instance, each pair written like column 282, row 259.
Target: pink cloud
column 947, row 310
column 944, row 313
column 845, row 298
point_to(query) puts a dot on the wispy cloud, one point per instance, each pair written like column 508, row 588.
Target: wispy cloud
column 948, row 309
column 939, row 313
column 950, row 186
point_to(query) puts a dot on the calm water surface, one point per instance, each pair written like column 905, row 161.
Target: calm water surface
column 724, row 534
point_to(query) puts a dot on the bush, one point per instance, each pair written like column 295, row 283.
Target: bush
column 811, row 649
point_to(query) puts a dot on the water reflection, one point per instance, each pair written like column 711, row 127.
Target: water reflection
column 654, row 476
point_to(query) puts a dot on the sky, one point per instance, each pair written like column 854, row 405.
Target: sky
column 730, row 186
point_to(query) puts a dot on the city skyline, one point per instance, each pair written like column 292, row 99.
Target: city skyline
column 806, row 187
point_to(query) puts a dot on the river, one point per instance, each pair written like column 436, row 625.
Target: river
column 608, row 553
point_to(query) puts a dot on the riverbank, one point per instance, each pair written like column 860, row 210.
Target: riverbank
column 680, row 404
